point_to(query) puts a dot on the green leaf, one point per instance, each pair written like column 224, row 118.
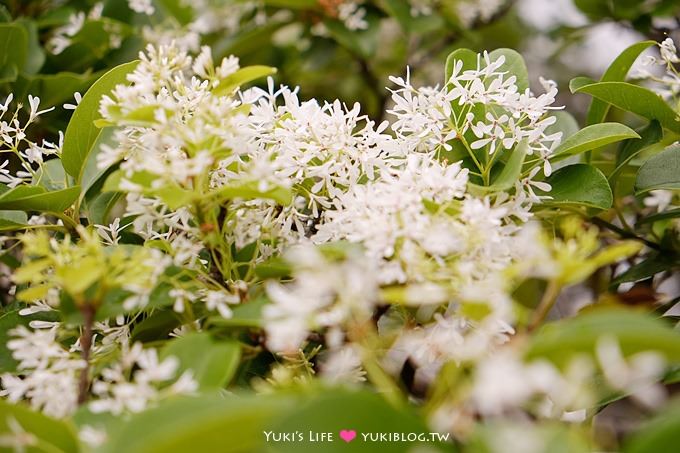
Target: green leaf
column 247, row 314
column 631, row 148
column 51, row 176
column 335, row 409
column 616, row 72
column 552, row 436
column 635, row 331
column 157, row 325
column 592, row 137
column 657, row 435
column 13, row 51
column 565, row 123
column 35, row 56
column 200, row 424
column 81, row 132
column 203, row 424
column 52, row 435
column 31, row 198
column 660, row 172
column 513, row 65
column 213, row 364
column 241, row 77
column 467, row 56
column 251, row 190
column 511, row 170
column 98, row 207
column 645, row 269
column 53, row 89
column 12, row 220
column 581, row 185
column 362, row 43
column 670, row 214
column 90, row 172
column 178, row 9
column 634, row 99
column 579, row 82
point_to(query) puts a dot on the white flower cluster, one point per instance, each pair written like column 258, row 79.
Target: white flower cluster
column 207, row 16
column 667, row 84
column 506, row 383
column 116, row 392
column 470, row 11
column 427, row 119
column 409, row 208
column 14, row 139
column 49, row 373
column 324, row 294
column 64, row 36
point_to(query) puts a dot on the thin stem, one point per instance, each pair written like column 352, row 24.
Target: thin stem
column 546, row 304
column 88, row 312
column 625, row 234
column 364, row 334
column 68, row 222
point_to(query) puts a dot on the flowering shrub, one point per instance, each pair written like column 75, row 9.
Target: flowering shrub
column 205, row 259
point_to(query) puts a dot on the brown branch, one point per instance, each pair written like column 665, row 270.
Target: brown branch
column 88, row 312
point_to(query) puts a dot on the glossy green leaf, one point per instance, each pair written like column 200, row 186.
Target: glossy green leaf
column 248, row 314
column 467, row 56
column 241, row 77
column 592, row 137
column 212, row 363
column 362, row 43
column 228, row 424
column 31, row 198
column 35, row 55
column 579, row 82
column 53, row 89
column 178, row 9
column 670, row 214
column 616, row 72
column 51, row 435
column 13, row 51
column 51, row 176
column 634, row 99
column 366, row 412
column 565, row 123
column 98, row 208
column 660, row 172
column 513, row 65
column 580, row 185
column 631, row 148
column 645, row 269
column 81, row 132
column 512, row 169
column 159, row 324
column 12, row 220
column 635, row 332
column 251, row 190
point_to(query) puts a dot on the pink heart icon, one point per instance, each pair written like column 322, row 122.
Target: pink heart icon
column 348, row 435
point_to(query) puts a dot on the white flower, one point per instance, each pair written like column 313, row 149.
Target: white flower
column 343, row 366
column 142, row 6
column 92, row 436
column 659, row 199
column 668, row 51
column 50, row 372
column 78, row 97
column 638, row 375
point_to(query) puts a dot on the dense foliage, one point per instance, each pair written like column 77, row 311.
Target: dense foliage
column 197, row 257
